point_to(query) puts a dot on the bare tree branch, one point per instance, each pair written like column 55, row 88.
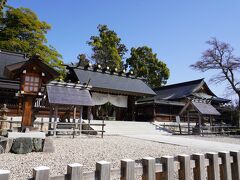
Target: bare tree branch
column 220, row 57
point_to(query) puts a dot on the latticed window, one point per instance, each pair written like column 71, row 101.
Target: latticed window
column 31, row 83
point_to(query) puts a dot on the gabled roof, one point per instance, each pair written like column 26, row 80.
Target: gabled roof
column 196, row 88
column 7, row 58
column 68, row 95
column 112, row 83
column 202, row 108
column 182, row 90
column 14, row 70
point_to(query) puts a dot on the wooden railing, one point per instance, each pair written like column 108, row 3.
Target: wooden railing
column 75, row 129
column 179, row 129
column 211, row 166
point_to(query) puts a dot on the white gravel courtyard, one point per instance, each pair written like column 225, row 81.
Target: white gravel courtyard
column 87, row 151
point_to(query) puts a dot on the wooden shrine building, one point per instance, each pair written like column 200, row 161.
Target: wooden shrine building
column 33, row 75
column 199, row 111
column 70, row 97
column 112, row 88
column 9, row 88
column 171, row 100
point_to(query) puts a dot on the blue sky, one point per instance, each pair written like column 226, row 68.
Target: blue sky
column 175, row 30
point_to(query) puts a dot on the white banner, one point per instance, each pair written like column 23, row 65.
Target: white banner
column 116, row 100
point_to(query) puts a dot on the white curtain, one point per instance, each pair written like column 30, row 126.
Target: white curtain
column 116, row 100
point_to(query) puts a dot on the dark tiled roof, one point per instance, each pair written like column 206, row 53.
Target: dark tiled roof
column 107, row 82
column 205, row 109
column 7, row 58
column 7, row 84
column 64, row 95
column 180, row 90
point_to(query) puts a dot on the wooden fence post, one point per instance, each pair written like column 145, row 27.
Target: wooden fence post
column 149, row 168
column 184, row 171
column 225, row 167
column 168, row 168
column 4, row 174
column 75, row 171
column 11, row 122
column 199, row 170
column 41, row 173
column 41, row 129
column 236, row 164
column 127, row 169
column 102, row 127
column 103, row 170
column 213, row 168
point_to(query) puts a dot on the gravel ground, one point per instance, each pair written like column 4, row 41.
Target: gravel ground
column 87, row 151
column 233, row 139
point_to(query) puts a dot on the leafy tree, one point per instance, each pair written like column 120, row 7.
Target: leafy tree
column 82, row 60
column 144, row 63
column 22, row 31
column 107, row 48
column 220, row 57
column 2, row 4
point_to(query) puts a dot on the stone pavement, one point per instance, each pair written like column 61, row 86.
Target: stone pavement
column 183, row 141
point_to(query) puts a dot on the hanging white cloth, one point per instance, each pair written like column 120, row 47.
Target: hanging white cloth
column 116, row 100
column 99, row 99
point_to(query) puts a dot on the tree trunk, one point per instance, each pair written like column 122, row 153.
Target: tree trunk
column 238, row 110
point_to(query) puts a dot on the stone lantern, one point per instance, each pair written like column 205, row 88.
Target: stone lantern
column 3, row 111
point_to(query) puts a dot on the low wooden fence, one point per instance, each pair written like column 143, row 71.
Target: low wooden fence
column 211, row 166
column 74, row 128
column 179, row 129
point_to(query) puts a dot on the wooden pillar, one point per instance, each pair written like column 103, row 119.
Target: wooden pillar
column 80, row 119
column 131, row 108
column 188, row 122
column 27, row 111
column 211, row 123
column 88, row 112
column 74, row 114
column 154, row 112
column 80, row 113
column 50, row 120
column 199, row 123
column 55, row 120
